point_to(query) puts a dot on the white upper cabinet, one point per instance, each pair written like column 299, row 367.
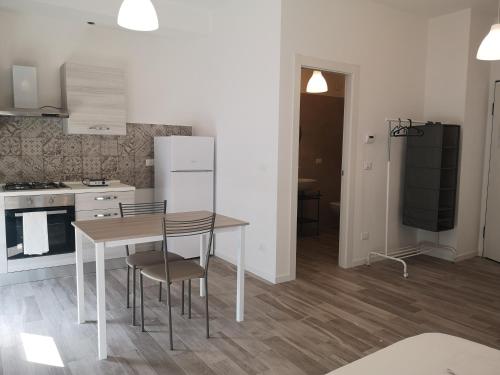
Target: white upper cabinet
column 95, row 99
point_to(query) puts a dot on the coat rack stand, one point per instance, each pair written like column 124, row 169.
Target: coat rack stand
column 402, row 253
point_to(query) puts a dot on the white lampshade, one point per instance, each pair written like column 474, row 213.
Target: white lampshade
column 139, row 15
column 490, row 46
column 317, row 83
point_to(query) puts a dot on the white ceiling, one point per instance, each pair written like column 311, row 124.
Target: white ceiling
column 191, row 16
column 106, row 6
column 194, row 16
column 433, row 8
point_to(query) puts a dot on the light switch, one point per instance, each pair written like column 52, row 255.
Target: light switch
column 367, row 165
column 150, row 162
column 318, row 161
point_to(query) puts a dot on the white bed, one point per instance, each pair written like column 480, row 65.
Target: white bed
column 428, row 354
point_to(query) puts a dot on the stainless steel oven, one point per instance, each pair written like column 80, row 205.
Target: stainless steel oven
column 60, row 210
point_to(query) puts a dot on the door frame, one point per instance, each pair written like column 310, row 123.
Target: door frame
column 350, row 125
column 486, row 167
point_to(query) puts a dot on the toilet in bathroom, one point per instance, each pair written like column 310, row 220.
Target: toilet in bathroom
column 335, row 209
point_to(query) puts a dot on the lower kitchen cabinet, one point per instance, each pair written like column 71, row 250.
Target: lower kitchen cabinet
column 101, row 206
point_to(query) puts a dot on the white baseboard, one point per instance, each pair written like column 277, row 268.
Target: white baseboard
column 24, row 276
column 48, row 261
column 24, row 264
column 362, row 261
column 283, row 279
column 443, row 254
column 466, row 256
column 259, row 274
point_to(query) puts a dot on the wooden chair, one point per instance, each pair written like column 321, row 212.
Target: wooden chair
column 184, row 270
column 146, row 258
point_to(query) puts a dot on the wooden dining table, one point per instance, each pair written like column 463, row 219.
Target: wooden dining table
column 139, row 229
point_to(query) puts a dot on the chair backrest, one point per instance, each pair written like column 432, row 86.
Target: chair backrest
column 133, row 209
column 185, row 228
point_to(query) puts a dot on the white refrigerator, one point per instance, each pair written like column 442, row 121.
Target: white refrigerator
column 184, row 177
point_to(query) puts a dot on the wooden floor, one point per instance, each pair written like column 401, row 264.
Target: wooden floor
column 326, row 318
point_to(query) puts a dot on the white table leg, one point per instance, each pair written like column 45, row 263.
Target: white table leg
column 80, row 289
column 203, row 247
column 240, row 279
column 101, row 301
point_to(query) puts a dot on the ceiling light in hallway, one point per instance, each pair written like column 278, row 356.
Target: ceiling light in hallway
column 317, row 83
column 139, row 15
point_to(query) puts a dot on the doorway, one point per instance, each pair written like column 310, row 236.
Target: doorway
column 491, row 235
column 349, row 152
column 321, row 123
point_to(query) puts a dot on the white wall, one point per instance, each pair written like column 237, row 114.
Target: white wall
column 242, row 106
column 457, row 92
column 494, row 76
column 446, row 67
column 389, row 47
column 446, row 80
column 473, row 141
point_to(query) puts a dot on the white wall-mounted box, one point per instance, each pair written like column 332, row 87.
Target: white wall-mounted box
column 25, row 87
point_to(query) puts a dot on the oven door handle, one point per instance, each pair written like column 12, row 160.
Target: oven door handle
column 57, row 212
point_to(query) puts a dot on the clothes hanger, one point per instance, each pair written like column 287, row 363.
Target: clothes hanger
column 397, row 129
column 417, row 132
column 406, row 130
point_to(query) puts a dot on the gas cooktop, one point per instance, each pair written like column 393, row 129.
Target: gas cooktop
column 33, row 186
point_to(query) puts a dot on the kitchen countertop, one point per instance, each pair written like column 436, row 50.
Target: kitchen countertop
column 73, row 187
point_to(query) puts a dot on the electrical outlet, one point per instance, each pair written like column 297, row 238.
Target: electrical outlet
column 369, row 138
column 365, row 236
column 150, row 162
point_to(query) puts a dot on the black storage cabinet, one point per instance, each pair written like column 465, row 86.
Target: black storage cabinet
column 430, row 184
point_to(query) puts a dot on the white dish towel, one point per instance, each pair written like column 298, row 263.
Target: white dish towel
column 35, row 233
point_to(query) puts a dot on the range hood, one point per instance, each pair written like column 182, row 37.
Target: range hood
column 25, row 90
column 32, row 112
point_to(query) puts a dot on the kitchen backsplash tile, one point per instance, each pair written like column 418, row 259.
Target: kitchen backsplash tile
column 52, row 168
column 37, row 149
column 144, row 178
column 52, row 146
column 32, row 146
column 91, row 145
column 109, row 166
column 72, row 145
column 91, row 166
column 109, row 147
column 10, row 145
column 32, row 168
column 72, row 165
column 10, row 168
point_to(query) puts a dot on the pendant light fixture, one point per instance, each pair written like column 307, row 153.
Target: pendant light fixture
column 139, row 15
column 317, row 83
column 490, row 46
